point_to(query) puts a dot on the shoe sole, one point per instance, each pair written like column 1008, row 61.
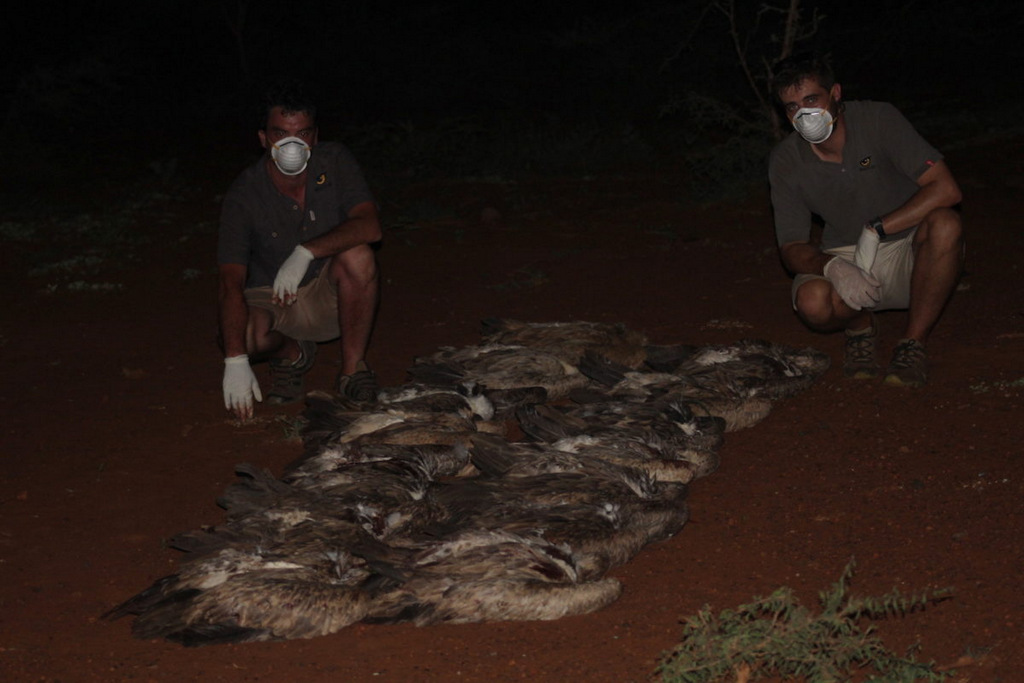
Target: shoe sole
column 277, row 400
column 895, row 381
column 367, row 394
column 863, row 374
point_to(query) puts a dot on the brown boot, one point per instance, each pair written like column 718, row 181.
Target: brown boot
column 909, row 366
column 286, row 375
column 361, row 386
column 860, row 357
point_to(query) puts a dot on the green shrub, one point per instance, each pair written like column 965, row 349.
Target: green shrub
column 778, row 637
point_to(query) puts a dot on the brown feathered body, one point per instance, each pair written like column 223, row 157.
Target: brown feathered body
column 415, row 508
column 570, row 341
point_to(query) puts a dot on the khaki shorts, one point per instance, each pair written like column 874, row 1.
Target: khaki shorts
column 313, row 316
column 893, row 267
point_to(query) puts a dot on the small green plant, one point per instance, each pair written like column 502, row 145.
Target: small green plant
column 778, row 637
column 997, row 385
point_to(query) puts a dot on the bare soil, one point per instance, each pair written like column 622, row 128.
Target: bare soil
column 115, row 437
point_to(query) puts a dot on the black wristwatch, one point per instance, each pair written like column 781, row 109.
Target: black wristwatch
column 876, row 223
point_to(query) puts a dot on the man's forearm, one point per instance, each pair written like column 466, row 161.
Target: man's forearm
column 232, row 309
column 938, row 189
column 234, row 317
column 362, row 227
column 803, row 258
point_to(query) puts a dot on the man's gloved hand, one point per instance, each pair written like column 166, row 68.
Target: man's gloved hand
column 240, row 385
column 286, row 284
column 867, row 249
column 856, row 287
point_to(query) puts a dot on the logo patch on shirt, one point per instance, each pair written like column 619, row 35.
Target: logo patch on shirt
column 865, row 162
column 321, row 179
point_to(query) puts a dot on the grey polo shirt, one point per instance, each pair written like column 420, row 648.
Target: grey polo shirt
column 259, row 226
column 883, row 157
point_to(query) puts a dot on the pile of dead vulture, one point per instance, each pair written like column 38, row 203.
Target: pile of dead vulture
column 502, row 482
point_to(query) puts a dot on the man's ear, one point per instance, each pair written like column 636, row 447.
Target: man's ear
column 263, row 138
column 836, row 92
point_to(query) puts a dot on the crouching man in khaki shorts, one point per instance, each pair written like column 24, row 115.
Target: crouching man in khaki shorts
column 296, row 261
column 894, row 264
column 891, row 239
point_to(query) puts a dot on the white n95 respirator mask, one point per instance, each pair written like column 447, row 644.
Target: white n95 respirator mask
column 814, row 124
column 290, row 155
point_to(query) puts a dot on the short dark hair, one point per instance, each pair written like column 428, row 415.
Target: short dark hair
column 291, row 97
column 792, row 71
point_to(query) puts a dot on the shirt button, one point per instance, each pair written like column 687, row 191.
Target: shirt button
column 273, row 234
column 295, row 207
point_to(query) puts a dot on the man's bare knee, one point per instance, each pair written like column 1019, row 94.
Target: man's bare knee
column 354, row 267
column 259, row 329
column 941, row 230
column 812, row 302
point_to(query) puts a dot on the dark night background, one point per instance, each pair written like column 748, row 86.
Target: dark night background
column 165, row 76
column 533, row 160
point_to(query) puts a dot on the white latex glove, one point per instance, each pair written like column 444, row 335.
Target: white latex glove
column 856, row 287
column 290, row 275
column 240, row 386
column 867, row 249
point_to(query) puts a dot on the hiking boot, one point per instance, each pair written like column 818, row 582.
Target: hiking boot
column 361, row 386
column 860, row 359
column 909, row 366
column 286, row 375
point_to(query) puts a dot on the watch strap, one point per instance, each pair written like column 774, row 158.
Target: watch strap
column 876, row 224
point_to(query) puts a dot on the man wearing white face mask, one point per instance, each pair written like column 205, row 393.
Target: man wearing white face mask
column 296, row 261
column 891, row 237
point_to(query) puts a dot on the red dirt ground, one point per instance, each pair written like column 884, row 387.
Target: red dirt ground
column 115, row 438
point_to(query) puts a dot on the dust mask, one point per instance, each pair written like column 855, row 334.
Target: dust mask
column 814, row 124
column 290, row 155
